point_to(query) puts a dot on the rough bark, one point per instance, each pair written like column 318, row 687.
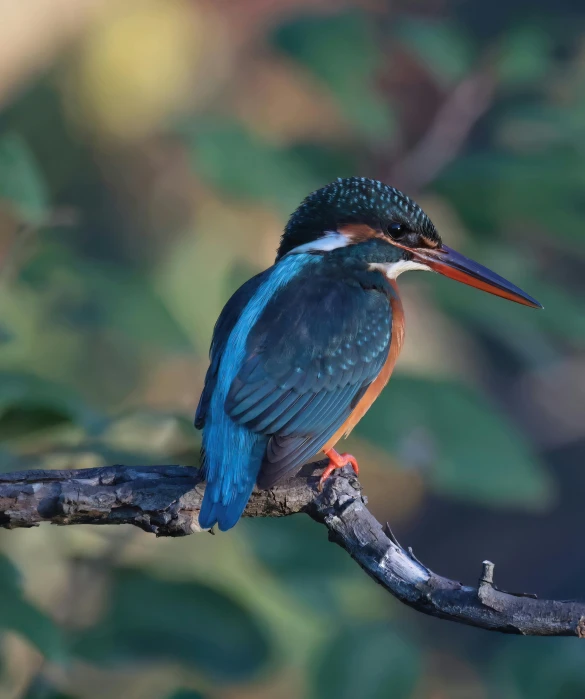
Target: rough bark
column 165, row 500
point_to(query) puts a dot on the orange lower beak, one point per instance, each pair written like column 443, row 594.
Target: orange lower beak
column 452, row 264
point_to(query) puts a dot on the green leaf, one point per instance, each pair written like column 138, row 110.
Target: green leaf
column 525, row 54
column 563, row 316
column 494, row 190
column 18, row 421
column 289, row 545
column 186, row 694
column 442, row 46
column 21, row 181
column 527, row 668
column 471, row 450
column 32, row 402
column 88, row 294
column 19, row 615
column 191, row 623
column 521, row 331
column 42, row 688
column 369, row 662
column 132, row 306
column 529, row 334
column 350, row 38
column 297, row 551
column 244, row 165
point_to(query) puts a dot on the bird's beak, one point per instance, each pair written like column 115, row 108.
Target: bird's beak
column 452, row 264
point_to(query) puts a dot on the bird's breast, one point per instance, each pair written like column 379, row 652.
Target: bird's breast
column 381, row 380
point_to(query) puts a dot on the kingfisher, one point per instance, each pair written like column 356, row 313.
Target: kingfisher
column 302, row 350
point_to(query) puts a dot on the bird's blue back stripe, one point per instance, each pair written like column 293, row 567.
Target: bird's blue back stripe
column 236, row 349
column 230, row 448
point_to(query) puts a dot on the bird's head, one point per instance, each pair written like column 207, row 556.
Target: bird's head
column 399, row 236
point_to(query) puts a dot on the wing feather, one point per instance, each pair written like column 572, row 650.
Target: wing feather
column 318, row 345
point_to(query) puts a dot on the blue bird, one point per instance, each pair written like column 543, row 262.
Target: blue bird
column 301, row 351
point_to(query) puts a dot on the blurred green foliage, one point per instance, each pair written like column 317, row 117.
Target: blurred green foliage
column 445, row 47
column 23, row 617
column 223, row 152
column 21, row 183
column 365, row 660
column 351, row 76
column 152, row 619
column 118, row 248
column 464, row 442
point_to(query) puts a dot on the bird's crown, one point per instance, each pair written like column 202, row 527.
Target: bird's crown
column 356, row 200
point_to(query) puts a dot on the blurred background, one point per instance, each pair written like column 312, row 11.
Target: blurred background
column 150, row 153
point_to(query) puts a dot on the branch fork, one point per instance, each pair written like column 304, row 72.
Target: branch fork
column 165, row 501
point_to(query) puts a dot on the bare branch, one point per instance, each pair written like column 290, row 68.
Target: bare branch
column 165, row 500
column 447, row 133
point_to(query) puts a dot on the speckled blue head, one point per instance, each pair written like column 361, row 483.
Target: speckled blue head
column 355, row 200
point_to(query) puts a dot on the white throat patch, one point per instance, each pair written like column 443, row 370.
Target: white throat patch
column 393, row 269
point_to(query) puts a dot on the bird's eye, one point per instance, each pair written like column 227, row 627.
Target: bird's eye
column 397, row 230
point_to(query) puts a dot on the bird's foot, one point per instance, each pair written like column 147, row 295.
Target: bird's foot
column 337, row 460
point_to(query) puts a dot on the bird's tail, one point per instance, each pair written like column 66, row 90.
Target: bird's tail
column 230, row 481
column 224, row 515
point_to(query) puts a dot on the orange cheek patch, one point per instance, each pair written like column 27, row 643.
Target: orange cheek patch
column 359, row 232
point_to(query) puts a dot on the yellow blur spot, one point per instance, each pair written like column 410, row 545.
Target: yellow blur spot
column 137, row 65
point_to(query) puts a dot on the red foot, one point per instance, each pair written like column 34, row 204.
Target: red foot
column 337, row 460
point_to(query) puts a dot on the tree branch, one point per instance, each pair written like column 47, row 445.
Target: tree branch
column 447, row 133
column 165, row 500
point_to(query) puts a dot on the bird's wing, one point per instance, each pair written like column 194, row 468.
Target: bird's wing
column 310, row 357
column 223, row 328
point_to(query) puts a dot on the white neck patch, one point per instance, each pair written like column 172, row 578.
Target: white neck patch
column 334, row 239
column 330, row 241
column 393, row 269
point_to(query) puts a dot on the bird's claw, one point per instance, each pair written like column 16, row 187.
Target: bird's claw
column 336, row 461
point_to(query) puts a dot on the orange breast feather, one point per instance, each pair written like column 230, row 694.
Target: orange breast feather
column 381, row 380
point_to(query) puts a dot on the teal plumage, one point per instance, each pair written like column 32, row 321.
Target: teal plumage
column 301, row 351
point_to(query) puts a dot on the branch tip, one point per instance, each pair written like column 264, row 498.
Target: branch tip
column 487, row 573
